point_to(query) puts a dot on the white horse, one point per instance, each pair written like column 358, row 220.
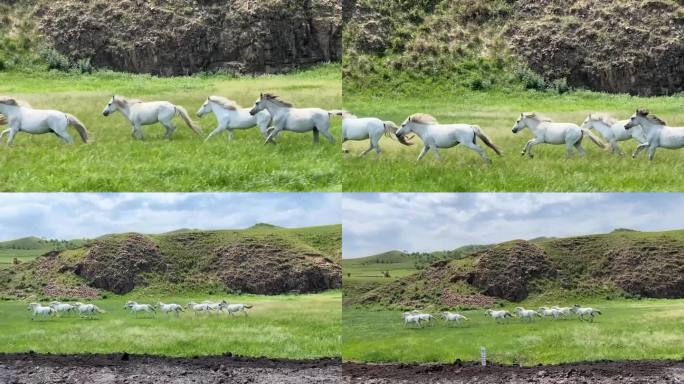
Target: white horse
column 563, row 311
column 285, row 117
column 411, row 318
column 585, row 311
column 546, row 131
column 546, row 312
column 658, row 134
column 498, row 315
column 87, row 310
column 526, row 314
column 364, row 128
column 39, row 310
column 62, row 307
column 137, row 308
column 141, row 113
column 168, row 308
column 22, row 118
column 435, row 135
column 453, row 317
column 197, row 308
column 231, row 116
column 233, row 308
column 613, row 130
column 424, row 316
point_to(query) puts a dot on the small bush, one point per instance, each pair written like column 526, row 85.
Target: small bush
column 56, row 60
column 561, row 86
column 531, row 79
column 84, row 66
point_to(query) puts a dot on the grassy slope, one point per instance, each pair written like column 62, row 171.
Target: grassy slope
column 496, row 112
column 627, row 330
column 294, row 327
column 116, row 162
column 28, row 248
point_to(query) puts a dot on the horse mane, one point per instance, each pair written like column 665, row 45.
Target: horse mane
column 122, row 101
column 276, row 100
column 536, row 116
column 224, row 102
column 604, row 117
column 7, row 100
column 422, row 118
column 646, row 113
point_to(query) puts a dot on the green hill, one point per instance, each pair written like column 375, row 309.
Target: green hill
column 28, row 248
column 620, row 263
column 258, row 260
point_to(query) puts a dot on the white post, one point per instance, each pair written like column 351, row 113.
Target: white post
column 483, row 356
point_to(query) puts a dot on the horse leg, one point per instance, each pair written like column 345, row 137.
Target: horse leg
column 273, row 134
column 423, row 152
column 531, row 144
column 214, row 133
column 64, row 135
column 479, row 150
column 316, row 138
column 13, row 132
column 580, row 149
column 4, row 132
column 651, row 152
column 170, row 128
column 616, row 148
column 370, row 148
column 639, row 148
column 230, row 135
column 328, row 136
column 434, row 150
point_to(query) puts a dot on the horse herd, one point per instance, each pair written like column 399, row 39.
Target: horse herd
column 648, row 130
column 269, row 113
column 56, row 308
column 583, row 314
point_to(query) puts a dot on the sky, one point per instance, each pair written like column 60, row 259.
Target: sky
column 373, row 223
column 84, row 215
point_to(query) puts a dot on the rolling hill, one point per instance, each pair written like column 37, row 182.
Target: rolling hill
column 28, row 248
column 260, row 260
column 620, row 263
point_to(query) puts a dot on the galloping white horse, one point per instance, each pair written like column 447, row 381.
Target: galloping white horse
column 526, row 314
column 141, row 113
column 498, row 315
column 585, row 311
column 285, row 117
column 455, row 317
column 22, row 118
column 197, row 308
column 424, row 316
column 167, row 308
column 658, row 134
column 435, row 135
column 37, row 309
column 233, row 308
column 554, row 312
column 62, row 307
column 137, row 308
column 546, row 131
column 231, row 116
column 613, row 130
column 411, row 318
column 364, row 128
column 87, row 310
column 563, row 311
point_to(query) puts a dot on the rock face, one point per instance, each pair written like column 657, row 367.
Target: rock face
column 178, row 37
column 262, row 268
column 117, row 266
column 603, row 45
column 508, row 271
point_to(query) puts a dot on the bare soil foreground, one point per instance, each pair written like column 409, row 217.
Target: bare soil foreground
column 100, row 369
column 642, row 372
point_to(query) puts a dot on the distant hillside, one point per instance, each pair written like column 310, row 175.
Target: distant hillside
column 249, row 261
column 628, row 263
column 28, row 248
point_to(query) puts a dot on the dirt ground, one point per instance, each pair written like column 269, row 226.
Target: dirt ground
column 642, row 372
column 100, row 369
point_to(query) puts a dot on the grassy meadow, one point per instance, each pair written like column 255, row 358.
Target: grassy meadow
column 115, row 162
column 496, row 111
column 285, row 326
column 626, row 330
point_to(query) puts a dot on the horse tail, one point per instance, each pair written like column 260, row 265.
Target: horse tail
column 183, row 113
column 97, row 309
column 594, row 138
column 597, row 311
column 485, row 139
column 80, row 128
column 3, row 119
column 391, row 132
column 338, row 112
column 248, row 306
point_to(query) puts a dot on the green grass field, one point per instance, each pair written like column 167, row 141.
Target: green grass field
column 115, row 162
column 287, row 326
column 461, row 170
column 627, row 330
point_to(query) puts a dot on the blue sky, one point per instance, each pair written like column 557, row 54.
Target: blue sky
column 86, row 215
column 374, row 223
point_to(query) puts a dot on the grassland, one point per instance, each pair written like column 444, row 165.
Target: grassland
column 627, row 330
column 461, row 170
column 115, row 162
column 286, row 326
